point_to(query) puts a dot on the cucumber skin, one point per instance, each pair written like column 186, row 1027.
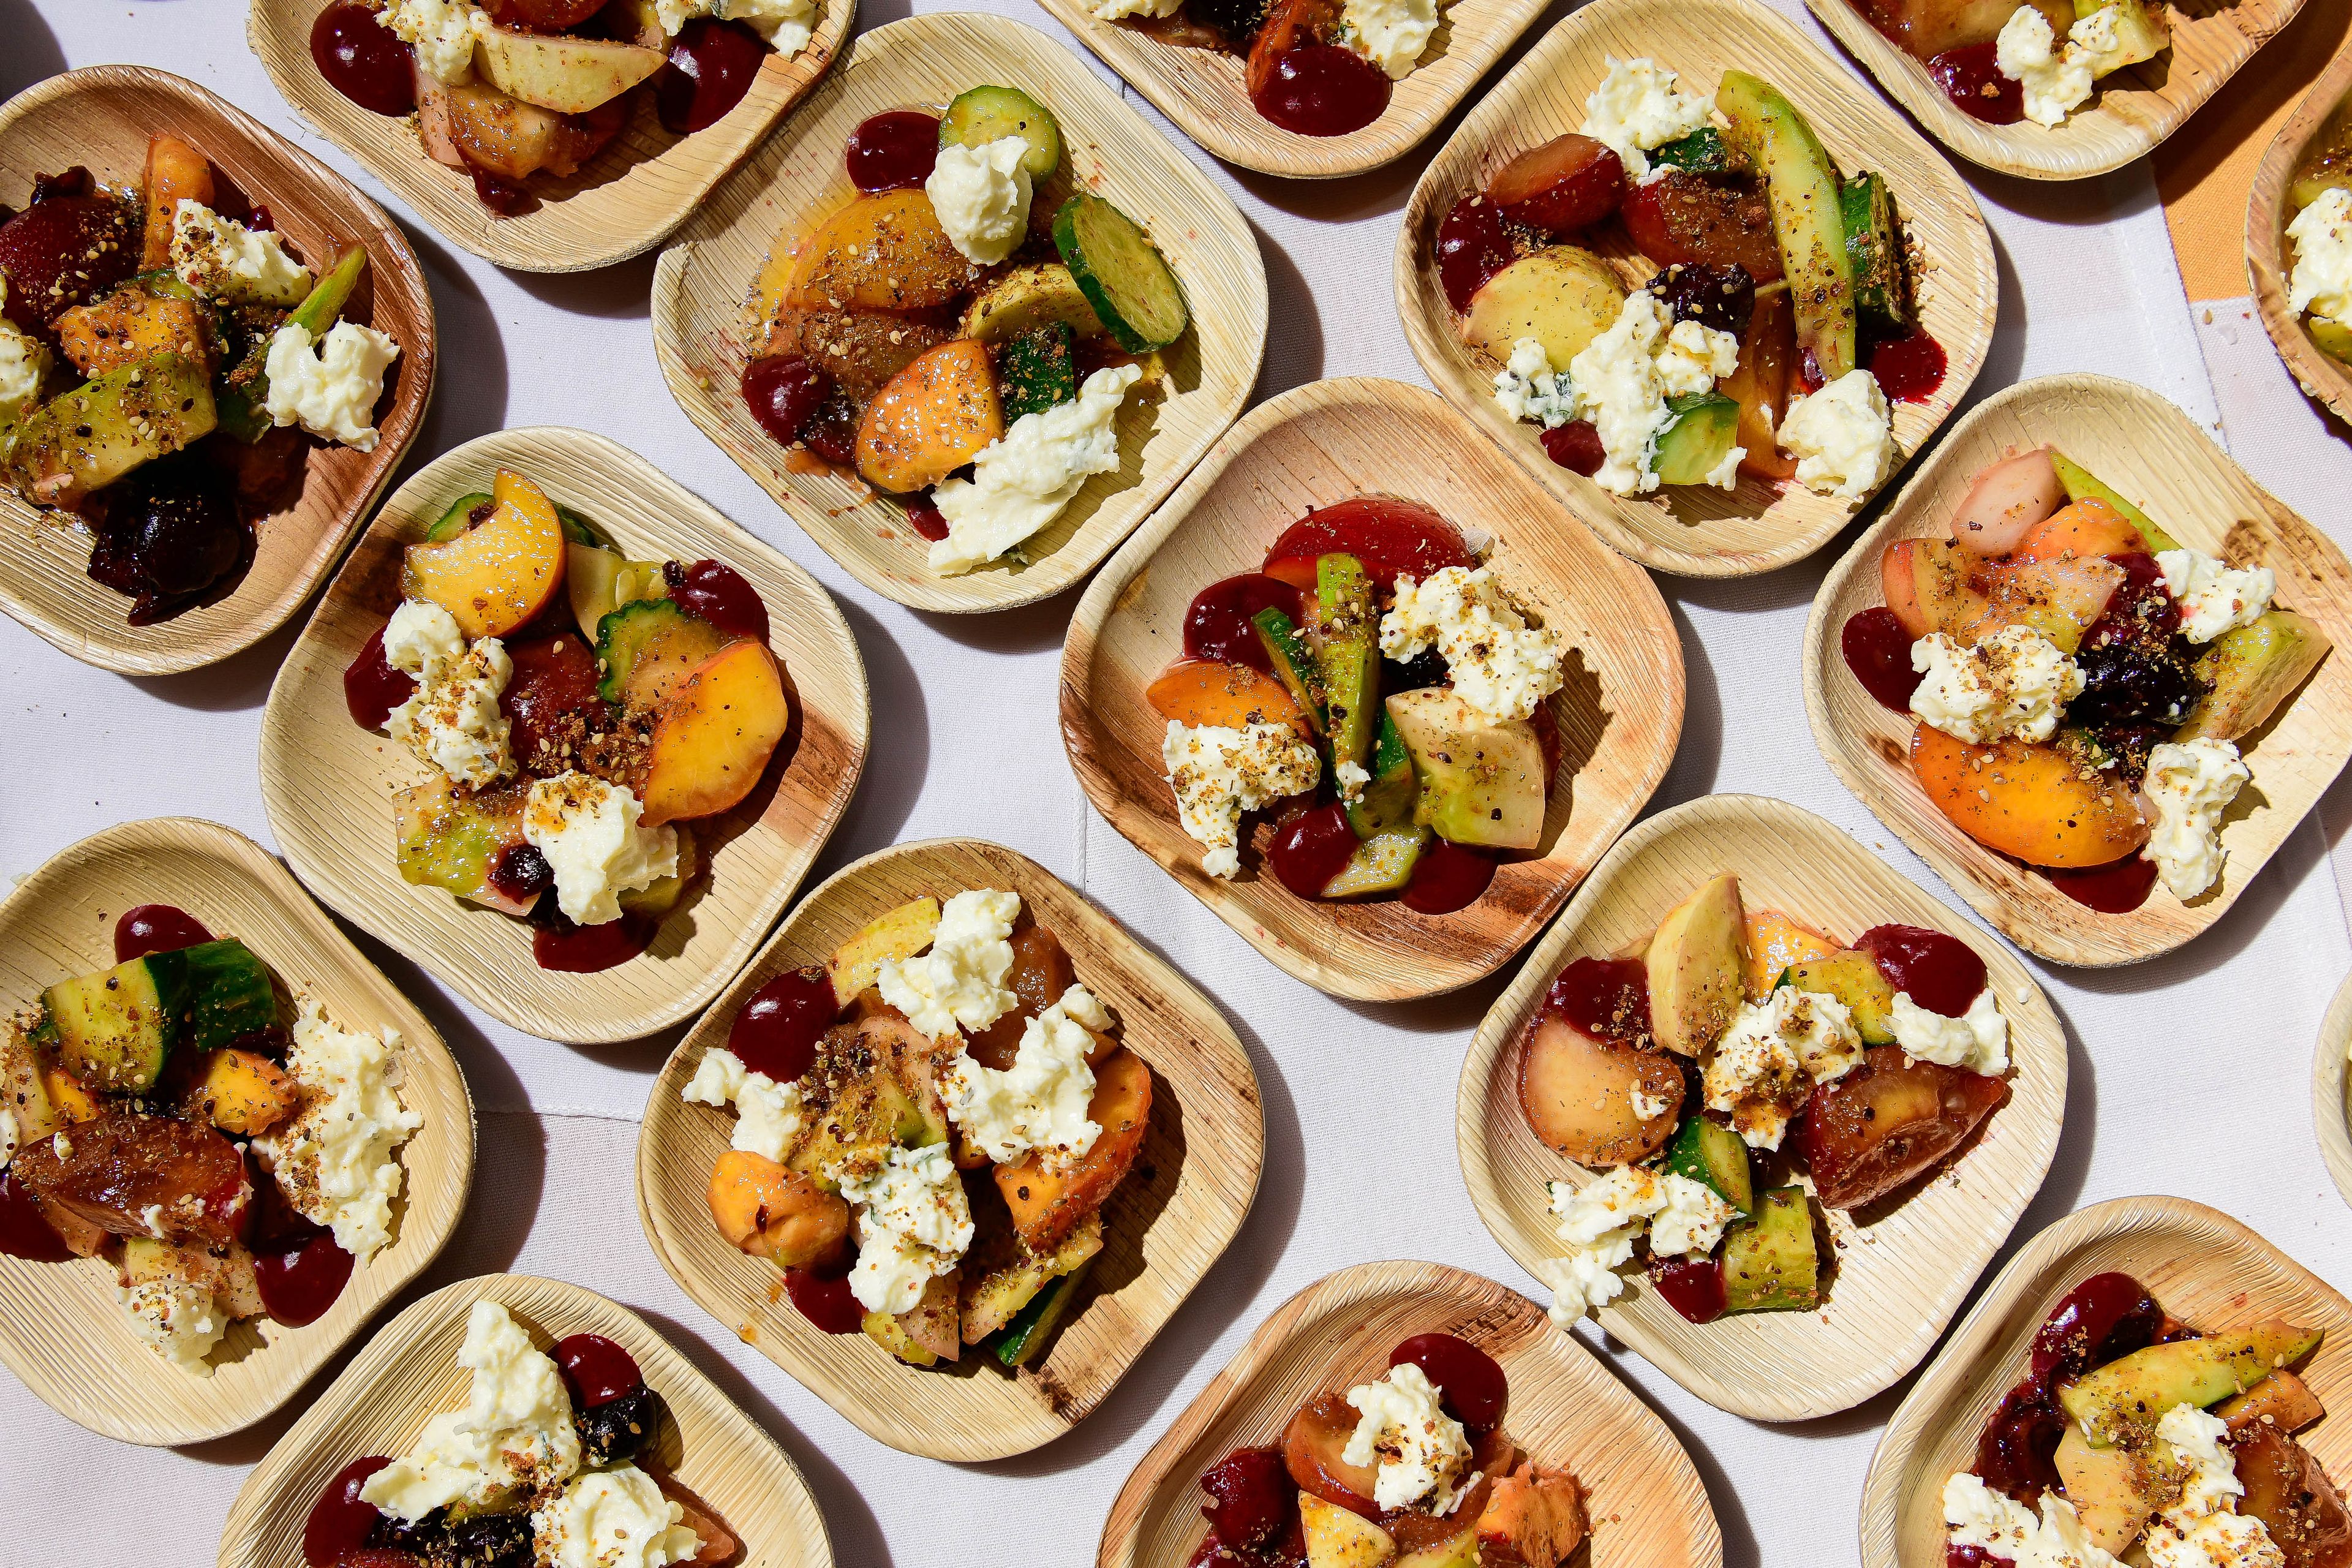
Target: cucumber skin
column 1389, row 800
column 229, row 993
column 240, row 404
column 1125, row 334
column 977, row 109
column 1873, row 249
column 619, row 640
column 1036, row 371
column 1703, row 151
column 1820, row 281
column 2081, row 484
column 1689, row 1155
column 1347, row 647
column 1035, row 1323
column 1706, row 420
column 1294, row 665
column 1771, row 1263
column 455, row 521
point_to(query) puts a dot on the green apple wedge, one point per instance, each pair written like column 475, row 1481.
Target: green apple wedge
column 1803, row 186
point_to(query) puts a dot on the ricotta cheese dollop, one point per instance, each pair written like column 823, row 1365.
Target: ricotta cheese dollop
column 442, row 32
column 982, row 196
column 2015, row 683
column 1118, row 10
column 2322, row 280
column 787, row 24
column 1391, row 34
column 1023, row 480
column 768, row 1113
column 338, row 1161
column 1842, row 437
column 1218, row 773
column 2056, row 80
column 1040, row 1101
column 1639, row 106
column 2215, row 598
column 1977, row 1039
column 612, row 1518
column 913, row 1225
column 2189, row 784
column 332, row 393
column 1501, row 665
column 24, row 364
column 514, row 1435
column 176, row 1318
column 452, row 722
column 1526, row 387
column 1601, row 1220
column 222, row 260
column 1976, row 1515
column 2203, row 1527
column 1623, row 378
column 959, row 983
column 1422, row 1453
column 589, row 831
column 1761, row 1070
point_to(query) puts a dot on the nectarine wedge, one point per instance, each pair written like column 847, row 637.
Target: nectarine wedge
column 175, row 172
column 1774, row 942
column 2035, row 803
column 2088, row 527
column 1586, row 1098
column 715, row 734
column 885, row 252
column 1045, row 1204
column 2006, row 501
column 2060, row 597
column 770, row 1212
column 930, row 419
column 497, row 575
column 1203, row 691
column 1929, row 584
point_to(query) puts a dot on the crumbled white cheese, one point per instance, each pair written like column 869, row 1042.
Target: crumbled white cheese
column 453, row 722
column 768, row 1116
column 1639, row 106
column 514, row 1435
column 959, row 983
column 1391, row 34
column 1977, row 1039
column 1842, row 437
column 178, row 1319
column 1023, row 480
column 1976, row 1515
column 24, row 363
column 1621, row 380
column 589, row 832
column 2015, row 683
column 2322, row 280
column 1761, row 1070
column 913, row 1225
column 2215, row 598
column 1118, row 10
column 612, row 1518
column 422, row 640
column 1422, row 1453
column 2189, row 784
column 9, row 1137
column 1218, row 773
column 1039, row 1102
column 332, row 393
column 223, row 259
column 1500, row 666
column 442, row 32
column 1350, row 779
column 1087, row 1009
column 338, row 1161
column 787, row 24
column 1601, row 1220
column 982, row 196
column 1529, row 388
column 2203, row 1527
column 2056, row 81
column 1692, row 1221
column 1650, row 1107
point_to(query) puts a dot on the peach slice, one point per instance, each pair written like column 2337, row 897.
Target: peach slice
column 175, row 172
column 2031, row 802
column 2088, row 527
column 1203, row 691
column 497, row 575
column 930, row 419
column 2006, row 501
column 768, row 1211
column 1775, row 941
column 885, row 252
column 1046, row 1205
column 715, row 734
column 1583, row 1096
column 1931, row 584
column 2059, row 598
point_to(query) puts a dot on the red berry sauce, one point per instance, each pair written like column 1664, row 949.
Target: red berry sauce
column 1576, row 446
column 1691, row 1285
column 1217, row 626
column 1942, row 972
column 1472, row 1383
column 1390, row 536
column 711, row 66
column 824, row 1298
column 372, row 686
column 777, row 1031
column 2107, row 1317
column 569, row 949
column 1472, row 245
column 1907, row 369
column 1447, row 878
column 1608, row 998
column 1312, row 847
column 783, row 393
column 719, row 594
column 893, row 150
column 925, row 517
column 24, row 1232
column 363, row 59
column 1252, row 1501
column 1971, row 77
column 2117, row 888
column 501, row 195
column 596, row 1370
column 1878, row 650
column 156, row 928
column 300, row 1281
column 340, row 1522
column 1321, row 90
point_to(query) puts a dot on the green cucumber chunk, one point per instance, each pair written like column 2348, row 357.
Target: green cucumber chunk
column 1769, row 1261
column 1703, row 151
column 1874, row 251
column 623, row 636
column 1121, row 273
column 245, row 392
column 1710, row 1153
column 1345, row 631
column 2333, row 338
column 2081, row 484
column 230, row 994
column 1036, row 371
column 1380, row 864
column 82, row 441
column 116, row 1028
column 1801, row 183
column 459, row 517
column 578, row 529
column 983, row 114
column 1705, row 427
column 1855, row 979
column 1026, row 1334
column 1388, row 799
column 1294, row 665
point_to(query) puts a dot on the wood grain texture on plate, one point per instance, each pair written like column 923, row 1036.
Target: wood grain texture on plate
column 100, row 118
column 2152, row 454
column 409, row 1373
column 2331, row 1109
column 2132, row 112
column 62, row 1330
column 624, row 201
column 1902, row 1265
column 328, row 784
column 1697, row 530
column 1202, row 90
column 1162, row 1228
column 706, row 311
column 2270, row 255
column 1620, row 713
column 2200, row 1265
column 1646, row 1500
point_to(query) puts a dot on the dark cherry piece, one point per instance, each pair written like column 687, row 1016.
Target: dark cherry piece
column 1971, row 77
column 711, row 66
column 893, row 150
column 824, row 1297
column 1472, row 245
column 24, row 1231
column 832, row 431
column 1470, row 1382
column 1691, row 1285
column 1942, row 972
column 1321, row 90
column 66, row 250
column 1908, row 369
column 169, row 535
column 1447, row 878
column 363, row 59
column 520, row 872
column 559, row 944
column 596, row 1370
column 1253, row 1499
column 372, row 688
column 500, row 194
column 783, row 391
column 1217, row 626
column 925, row 517
column 340, row 1522
column 1878, row 650
column 1576, row 446
column 1311, row 848
column 156, row 928
column 777, row 1031
column 618, row 1428
column 1723, row 297
column 2117, row 888
column 1608, row 998
column 722, row 595
column 300, row 1282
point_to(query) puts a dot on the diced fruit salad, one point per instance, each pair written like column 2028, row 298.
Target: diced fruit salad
column 554, row 1462
column 513, row 89
column 2133, row 1429
column 2078, row 680
column 1412, row 1468
column 166, row 363
column 1778, row 316
column 575, row 712
column 231, row 1157
column 1380, row 691
column 952, row 341
column 1317, row 67
column 2319, row 229
column 928, row 1126
column 1738, row 1033
column 2000, row 61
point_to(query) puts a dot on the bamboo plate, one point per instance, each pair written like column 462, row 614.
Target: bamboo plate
column 1201, row 90
column 100, row 116
column 705, row 303
column 409, row 1373
column 2157, row 457
column 2199, row 1264
column 625, row 201
column 326, row 783
column 1621, row 713
column 2331, row 1097
column 2268, row 267
column 1169, row 1221
column 2135, row 110
column 1695, row 530
column 1903, row 1271
column 61, row 1330
column 1647, row 1503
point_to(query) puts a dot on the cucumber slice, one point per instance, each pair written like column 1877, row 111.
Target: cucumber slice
column 1703, row 151
column 578, row 529
column 1712, row 1154
column 1855, row 979
column 459, row 517
column 230, row 994
column 1874, row 251
column 983, row 114
column 1294, row 666
column 1706, row 426
column 1121, row 273
column 1380, row 864
column 1345, row 631
column 1388, row 801
column 1769, row 1261
column 1801, row 183
column 1026, row 1334
column 114, row 1028
column 2081, row 484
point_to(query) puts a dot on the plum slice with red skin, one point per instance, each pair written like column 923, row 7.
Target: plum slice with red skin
column 1390, row 536
column 115, row 1169
column 1567, row 184
column 1881, row 1125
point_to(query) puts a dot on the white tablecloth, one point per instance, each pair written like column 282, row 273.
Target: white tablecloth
column 2190, row 1074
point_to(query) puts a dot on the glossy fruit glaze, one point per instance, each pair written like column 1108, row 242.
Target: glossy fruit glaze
column 519, row 872
column 893, row 150
column 1390, row 536
column 783, row 391
column 1217, row 624
column 156, row 928
column 24, row 1232
column 824, row 1297
column 595, row 1370
column 168, row 535
column 711, row 66
column 1447, row 878
column 1720, row 297
column 1907, row 369
column 1472, row 245
column 923, row 515
column 1471, row 1382
column 1312, row 847
column 1253, row 1502
column 363, row 59
column 1321, row 90
column 1576, row 446
column 723, row 596
column 341, row 1522
column 777, row 1031
column 1972, row 79
column 1942, row 972
column 2117, row 888
column 550, row 699
column 2106, row 1316
column 1878, row 650
column 501, row 195
column 372, row 688
column 300, row 1281
column 558, row 944
column 1691, row 1285
column 1608, row 998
